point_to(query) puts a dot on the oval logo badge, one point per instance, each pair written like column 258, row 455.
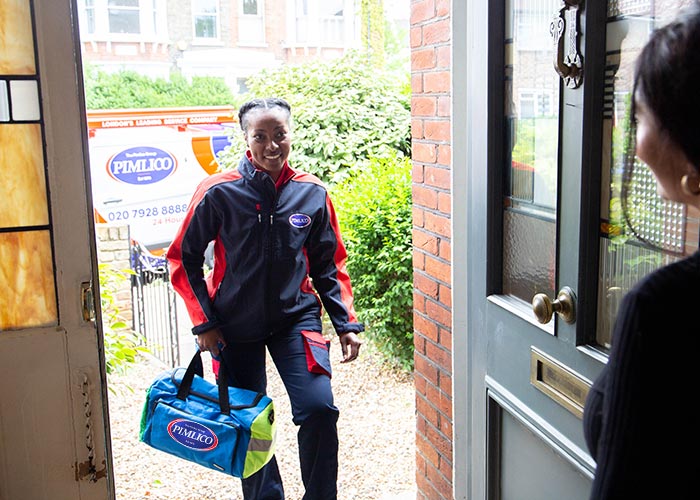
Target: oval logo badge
column 141, row 165
column 192, row 435
column 299, row 220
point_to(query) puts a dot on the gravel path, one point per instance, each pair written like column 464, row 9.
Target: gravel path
column 376, row 428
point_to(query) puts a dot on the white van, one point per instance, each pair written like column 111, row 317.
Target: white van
column 145, row 165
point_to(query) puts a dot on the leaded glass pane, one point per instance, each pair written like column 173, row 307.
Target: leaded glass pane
column 25, row 100
column 28, row 297
column 671, row 227
column 16, row 38
column 23, row 199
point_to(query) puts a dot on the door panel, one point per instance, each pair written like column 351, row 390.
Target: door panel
column 53, row 407
column 527, row 378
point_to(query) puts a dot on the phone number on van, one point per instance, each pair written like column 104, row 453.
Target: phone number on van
column 141, row 213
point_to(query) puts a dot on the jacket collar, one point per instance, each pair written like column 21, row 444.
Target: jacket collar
column 251, row 172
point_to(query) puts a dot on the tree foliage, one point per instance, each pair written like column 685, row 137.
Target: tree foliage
column 375, row 213
column 128, row 89
column 344, row 113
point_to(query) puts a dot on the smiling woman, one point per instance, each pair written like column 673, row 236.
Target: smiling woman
column 278, row 257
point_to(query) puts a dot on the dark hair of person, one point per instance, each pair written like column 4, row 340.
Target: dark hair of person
column 266, row 103
column 667, row 79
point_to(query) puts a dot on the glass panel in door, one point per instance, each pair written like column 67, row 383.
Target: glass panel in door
column 532, row 146
column 670, row 228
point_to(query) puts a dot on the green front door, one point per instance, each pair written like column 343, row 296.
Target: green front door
column 541, row 259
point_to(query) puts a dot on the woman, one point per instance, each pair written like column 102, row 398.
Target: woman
column 277, row 250
column 636, row 420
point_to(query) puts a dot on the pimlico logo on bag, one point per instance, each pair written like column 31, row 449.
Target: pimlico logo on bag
column 192, row 435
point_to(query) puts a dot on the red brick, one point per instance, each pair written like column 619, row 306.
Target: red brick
column 445, row 154
column 427, row 286
column 437, row 224
column 444, row 106
column 437, row 480
column 437, row 32
column 418, row 217
column 446, row 336
column 445, row 383
column 422, row 11
column 445, row 251
column 417, row 83
column 444, row 203
column 416, row 36
column 443, row 57
column 441, row 443
column 424, row 152
column 423, row 59
column 438, row 355
column 420, row 384
column 445, row 426
column 427, row 369
column 427, row 449
column 442, row 8
column 426, row 328
column 423, row 106
column 437, row 130
column 439, row 270
column 417, row 173
column 445, row 295
column 426, row 242
column 425, row 197
column 438, row 177
column 417, row 129
column 428, row 412
column 426, row 489
column 418, row 300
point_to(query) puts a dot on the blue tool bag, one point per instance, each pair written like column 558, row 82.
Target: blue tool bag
column 223, row 428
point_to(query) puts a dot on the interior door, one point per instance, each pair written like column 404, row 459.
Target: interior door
column 544, row 214
column 53, row 406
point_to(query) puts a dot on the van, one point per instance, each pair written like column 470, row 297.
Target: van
column 146, row 163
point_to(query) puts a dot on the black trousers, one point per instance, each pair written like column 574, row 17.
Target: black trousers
column 313, row 411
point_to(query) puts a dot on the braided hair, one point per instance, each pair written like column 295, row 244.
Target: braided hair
column 266, row 103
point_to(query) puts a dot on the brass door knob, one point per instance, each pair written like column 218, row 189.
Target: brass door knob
column 544, row 307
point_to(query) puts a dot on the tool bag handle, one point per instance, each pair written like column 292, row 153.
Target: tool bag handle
column 196, row 367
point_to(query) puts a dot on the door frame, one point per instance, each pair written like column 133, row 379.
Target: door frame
column 59, row 68
column 476, row 255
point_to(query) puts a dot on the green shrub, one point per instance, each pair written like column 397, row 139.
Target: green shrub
column 344, row 113
column 375, row 213
column 121, row 344
column 128, row 89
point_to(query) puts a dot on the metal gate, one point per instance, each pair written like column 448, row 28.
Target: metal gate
column 154, row 306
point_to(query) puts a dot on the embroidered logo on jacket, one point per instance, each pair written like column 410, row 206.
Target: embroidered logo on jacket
column 299, row 220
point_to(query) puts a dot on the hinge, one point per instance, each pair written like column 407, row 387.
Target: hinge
column 87, row 299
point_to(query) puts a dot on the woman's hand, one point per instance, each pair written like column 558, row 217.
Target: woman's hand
column 350, row 345
column 212, row 341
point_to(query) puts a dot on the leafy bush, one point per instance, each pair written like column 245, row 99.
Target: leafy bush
column 344, row 113
column 375, row 213
column 128, row 89
column 121, row 344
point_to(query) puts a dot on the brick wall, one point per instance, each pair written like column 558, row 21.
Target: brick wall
column 113, row 249
column 430, row 39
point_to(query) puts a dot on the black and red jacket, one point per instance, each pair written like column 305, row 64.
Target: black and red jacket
column 277, row 249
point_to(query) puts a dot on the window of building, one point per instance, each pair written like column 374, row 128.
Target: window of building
column 206, row 19
column 332, row 22
column 112, row 19
column 250, row 8
column 90, row 16
column 124, row 16
column 251, row 25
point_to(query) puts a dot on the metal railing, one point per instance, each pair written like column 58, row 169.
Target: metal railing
column 154, row 305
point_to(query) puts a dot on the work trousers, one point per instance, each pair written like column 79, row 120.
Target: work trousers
column 312, row 410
